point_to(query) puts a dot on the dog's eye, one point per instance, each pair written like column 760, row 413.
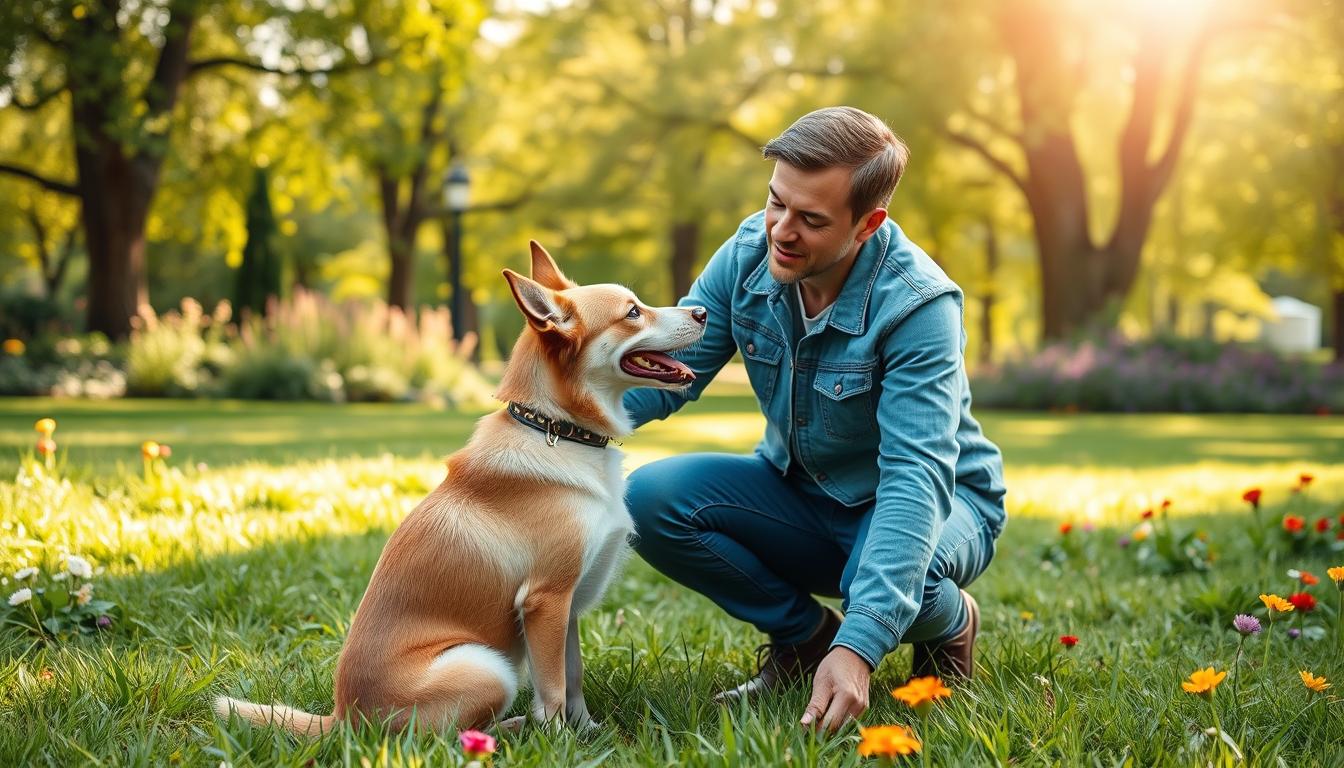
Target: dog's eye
column 633, row 314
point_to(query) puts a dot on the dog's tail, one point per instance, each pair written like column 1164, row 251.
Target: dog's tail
column 292, row 720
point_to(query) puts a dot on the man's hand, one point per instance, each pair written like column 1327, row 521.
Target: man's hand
column 839, row 690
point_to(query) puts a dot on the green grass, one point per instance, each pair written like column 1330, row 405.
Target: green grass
column 240, row 577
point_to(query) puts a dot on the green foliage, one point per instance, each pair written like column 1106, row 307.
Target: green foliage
column 174, row 355
column 258, row 277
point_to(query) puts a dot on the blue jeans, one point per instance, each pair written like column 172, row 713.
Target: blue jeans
column 760, row 545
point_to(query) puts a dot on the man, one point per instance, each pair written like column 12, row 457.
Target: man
column 873, row 482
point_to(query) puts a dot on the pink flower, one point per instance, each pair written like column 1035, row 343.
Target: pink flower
column 477, row 744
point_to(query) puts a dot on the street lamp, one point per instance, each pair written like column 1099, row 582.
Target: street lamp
column 456, row 197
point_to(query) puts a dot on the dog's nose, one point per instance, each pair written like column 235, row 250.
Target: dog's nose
column 699, row 315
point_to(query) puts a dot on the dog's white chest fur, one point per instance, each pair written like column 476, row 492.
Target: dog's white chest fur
column 607, row 527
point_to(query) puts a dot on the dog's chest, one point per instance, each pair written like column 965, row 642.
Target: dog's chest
column 606, row 528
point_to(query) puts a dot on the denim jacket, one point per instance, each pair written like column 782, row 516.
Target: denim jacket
column 874, row 402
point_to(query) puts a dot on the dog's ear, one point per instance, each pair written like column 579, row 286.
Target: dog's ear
column 545, row 271
column 543, row 309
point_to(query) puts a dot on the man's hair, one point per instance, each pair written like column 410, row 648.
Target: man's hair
column 848, row 138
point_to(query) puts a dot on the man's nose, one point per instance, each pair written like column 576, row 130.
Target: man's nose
column 699, row 315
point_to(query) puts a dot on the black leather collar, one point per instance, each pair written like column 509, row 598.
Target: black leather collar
column 555, row 429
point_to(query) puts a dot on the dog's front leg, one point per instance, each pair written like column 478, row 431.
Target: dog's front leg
column 576, row 709
column 545, row 614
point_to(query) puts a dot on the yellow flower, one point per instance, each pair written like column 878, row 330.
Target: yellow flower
column 14, row 347
column 1276, row 603
column 922, row 690
column 888, row 741
column 1144, row 530
column 45, row 426
column 1027, row 615
column 149, row 449
column 1336, row 575
column 1203, row 681
column 1317, row 684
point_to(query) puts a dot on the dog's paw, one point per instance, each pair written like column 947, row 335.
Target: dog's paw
column 512, row 724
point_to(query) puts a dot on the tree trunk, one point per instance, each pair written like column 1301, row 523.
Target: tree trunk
column 685, row 243
column 988, row 298
column 1337, row 326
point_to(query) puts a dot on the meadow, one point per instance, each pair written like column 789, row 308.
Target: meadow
column 233, row 565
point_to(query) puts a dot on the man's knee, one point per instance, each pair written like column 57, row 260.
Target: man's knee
column 651, row 494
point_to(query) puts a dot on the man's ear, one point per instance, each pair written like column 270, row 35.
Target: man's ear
column 539, row 304
column 545, row 271
column 871, row 222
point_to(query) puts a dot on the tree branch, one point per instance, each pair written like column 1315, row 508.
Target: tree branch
column 52, row 185
column 999, row 129
column 1185, row 107
column 995, row 162
column 198, row 66
column 39, row 101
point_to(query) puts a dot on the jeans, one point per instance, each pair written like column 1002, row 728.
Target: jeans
column 760, row 545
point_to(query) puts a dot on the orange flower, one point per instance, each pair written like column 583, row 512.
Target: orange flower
column 1293, row 523
column 1147, row 513
column 1336, row 575
column 45, row 426
column 1276, row 603
column 164, row 451
column 1166, row 503
column 1253, row 497
column 921, row 691
column 1304, row 479
column 1308, row 578
column 13, row 347
column 888, row 741
column 46, row 446
column 1317, row 684
column 1203, row 681
column 149, row 449
column 1065, row 527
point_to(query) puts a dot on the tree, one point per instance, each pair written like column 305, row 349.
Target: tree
column 258, row 277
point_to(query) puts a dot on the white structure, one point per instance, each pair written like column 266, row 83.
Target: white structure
column 1296, row 326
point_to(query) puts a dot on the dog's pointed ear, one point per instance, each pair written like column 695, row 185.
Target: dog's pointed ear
column 545, row 271
column 542, row 308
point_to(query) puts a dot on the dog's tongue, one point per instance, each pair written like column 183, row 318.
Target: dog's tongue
column 656, row 365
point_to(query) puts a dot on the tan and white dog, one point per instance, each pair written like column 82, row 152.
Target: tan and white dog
column 494, row 567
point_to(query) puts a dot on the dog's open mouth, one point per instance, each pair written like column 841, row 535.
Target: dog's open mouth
column 656, row 365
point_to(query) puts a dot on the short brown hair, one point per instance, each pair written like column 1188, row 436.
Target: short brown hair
column 849, row 138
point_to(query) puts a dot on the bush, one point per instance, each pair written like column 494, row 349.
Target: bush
column 1162, row 374
column 175, row 355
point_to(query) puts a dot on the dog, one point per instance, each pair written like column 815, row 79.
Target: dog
column 494, row 567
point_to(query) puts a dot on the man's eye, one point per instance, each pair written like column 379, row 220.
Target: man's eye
column 773, row 203
column 634, row 313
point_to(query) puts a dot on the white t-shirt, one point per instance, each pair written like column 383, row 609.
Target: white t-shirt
column 809, row 322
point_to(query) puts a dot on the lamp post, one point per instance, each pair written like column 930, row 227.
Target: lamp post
column 456, row 197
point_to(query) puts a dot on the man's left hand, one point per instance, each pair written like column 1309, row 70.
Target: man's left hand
column 839, row 690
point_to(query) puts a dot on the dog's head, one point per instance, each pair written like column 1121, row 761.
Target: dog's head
column 600, row 340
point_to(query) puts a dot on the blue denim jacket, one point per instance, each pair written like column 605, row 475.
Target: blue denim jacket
column 874, row 401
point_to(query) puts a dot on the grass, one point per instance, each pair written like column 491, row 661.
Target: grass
column 240, row 577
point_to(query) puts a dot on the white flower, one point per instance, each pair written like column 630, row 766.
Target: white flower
column 25, row 573
column 85, row 594
column 62, row 576
column 78, row 566
column 21, row 597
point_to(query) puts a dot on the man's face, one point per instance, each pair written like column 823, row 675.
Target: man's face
column 808, row 223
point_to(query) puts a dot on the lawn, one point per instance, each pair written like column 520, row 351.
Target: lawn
column 236, row 564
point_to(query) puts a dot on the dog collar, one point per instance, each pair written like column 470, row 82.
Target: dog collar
column 555, row 429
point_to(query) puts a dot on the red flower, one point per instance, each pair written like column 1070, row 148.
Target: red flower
column 1303, row 601
column 1323, row 525
column 1064, row 528
column 1252, row 496
column 1303, row 480
column 1166, row 503
column 1068, row 641
column 1147, row 513
column 1293, row 523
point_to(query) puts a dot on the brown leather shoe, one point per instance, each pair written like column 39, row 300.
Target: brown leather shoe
column 779, row 666
column 954, row 658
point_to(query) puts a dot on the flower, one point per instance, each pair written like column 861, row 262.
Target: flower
column 1143, row 531
column 104, row 621
column 1303, row 601
column 921, row 691
column 1147, row 514
column 1028, row 615
column 45, row 426
column 1336, row 575
column 1065, row 527
column 13, row 347
column 477, row 744
column 1166, row 503
column 1323, row 525
column 46, row 446
column 1276, row 603
column 1304, row 479
column 85, row 594
column 1293, row 523
column 20, row 597
column 149, row 449
column 165, row 451
column 1246, row 625
column 1308, row 578
column 1294, row 633
column 1253, row 497
column 24, row 574
column 78, row 567
column 1068, row 641
column 1317, row 684
column 888, row 741
column 1203, row 681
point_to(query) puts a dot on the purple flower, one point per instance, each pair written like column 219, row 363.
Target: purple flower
column 104, row 621
column 1294, row 633
column 1246, row 625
